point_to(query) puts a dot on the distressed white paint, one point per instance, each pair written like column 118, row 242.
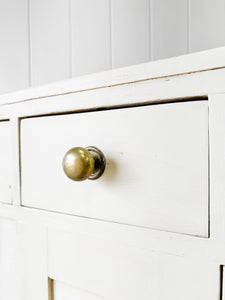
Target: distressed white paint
column 80, row 254
column 64, row 291
column 217, row 144
column 192, row 63
column 8, row 259
column 157, row 166
column 32, row 261
column 113, row 271
column 6, row 169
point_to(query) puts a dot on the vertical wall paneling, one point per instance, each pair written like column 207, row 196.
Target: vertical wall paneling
column 207, row 24
column 130, row 32
column 90, row 34
column 50, row 40
column 14, row 58
column 169, row 28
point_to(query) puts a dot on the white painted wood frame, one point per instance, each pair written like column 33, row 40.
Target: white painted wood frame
column 60, row 246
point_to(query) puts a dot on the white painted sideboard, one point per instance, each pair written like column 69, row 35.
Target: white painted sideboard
column 152, row 226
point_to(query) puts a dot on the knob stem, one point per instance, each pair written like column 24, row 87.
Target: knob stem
column 99, row 162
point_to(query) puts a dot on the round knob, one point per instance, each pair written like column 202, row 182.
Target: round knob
column 82, row 163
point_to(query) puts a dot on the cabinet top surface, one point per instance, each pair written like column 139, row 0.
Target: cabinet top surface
column 180, row 65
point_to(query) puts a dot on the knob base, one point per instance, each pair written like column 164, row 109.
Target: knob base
column 100, row 162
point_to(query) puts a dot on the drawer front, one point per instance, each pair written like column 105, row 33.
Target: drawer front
column 5, row 162
column 156, row 172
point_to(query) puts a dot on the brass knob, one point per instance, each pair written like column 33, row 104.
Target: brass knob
column 82, row 163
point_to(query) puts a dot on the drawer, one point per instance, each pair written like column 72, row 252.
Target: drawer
column 156, row 172
column 5, row 162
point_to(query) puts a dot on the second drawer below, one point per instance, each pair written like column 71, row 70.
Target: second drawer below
column 156, row 172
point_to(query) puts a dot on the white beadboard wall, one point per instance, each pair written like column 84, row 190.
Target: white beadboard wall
column 49, row 40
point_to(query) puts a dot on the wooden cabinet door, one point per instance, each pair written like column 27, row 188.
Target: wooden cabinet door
column 8, row 260
column 86, row 267
column 62, row 291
